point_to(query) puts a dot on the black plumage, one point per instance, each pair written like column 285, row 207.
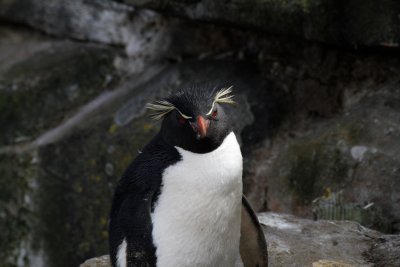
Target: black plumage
column 193, row 100
column 133, row 200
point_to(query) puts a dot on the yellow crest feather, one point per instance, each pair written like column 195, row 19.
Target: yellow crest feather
column 224, row 96
column 160, row 108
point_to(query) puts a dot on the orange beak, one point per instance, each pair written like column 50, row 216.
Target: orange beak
column 201, row 127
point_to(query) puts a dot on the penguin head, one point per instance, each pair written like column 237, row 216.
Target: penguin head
column 194, row 118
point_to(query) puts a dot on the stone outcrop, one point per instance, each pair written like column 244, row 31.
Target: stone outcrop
column 299, row 242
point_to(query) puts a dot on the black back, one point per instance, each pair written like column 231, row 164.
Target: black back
column 133, row 201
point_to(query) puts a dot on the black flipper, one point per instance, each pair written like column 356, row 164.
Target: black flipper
column 253, row 247
column 134, row 198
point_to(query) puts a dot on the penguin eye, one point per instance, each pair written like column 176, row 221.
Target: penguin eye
column 181, row 120
column 214, row 114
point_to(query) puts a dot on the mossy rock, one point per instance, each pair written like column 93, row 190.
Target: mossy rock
column 311, row 165
column 46, row 88
column 17, row 219
column 76, row 185
column 355, row 153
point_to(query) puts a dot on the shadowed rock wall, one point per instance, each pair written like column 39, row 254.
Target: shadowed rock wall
column 354, row 22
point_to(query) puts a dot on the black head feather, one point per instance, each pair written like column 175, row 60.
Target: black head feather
column 182, row 111
column 193, row 100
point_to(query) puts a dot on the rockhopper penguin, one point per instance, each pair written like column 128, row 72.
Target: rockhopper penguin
column 180, row 203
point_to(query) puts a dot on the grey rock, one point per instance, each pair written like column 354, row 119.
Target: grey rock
column 299, row 242
column 101, row 21
column 352, row 22
column 295, row 242
column 103, row 261
column 142, row 33
column 385, row 252
column 53, row 78
column 350, row 153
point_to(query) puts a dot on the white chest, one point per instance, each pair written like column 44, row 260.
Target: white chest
column 196, row 221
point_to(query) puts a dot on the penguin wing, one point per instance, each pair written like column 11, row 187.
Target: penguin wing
column 253, row 247
column 131, row 230
column 130, row 227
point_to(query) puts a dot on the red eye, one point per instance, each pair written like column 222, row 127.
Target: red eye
column 181, row 120
column 214, row 114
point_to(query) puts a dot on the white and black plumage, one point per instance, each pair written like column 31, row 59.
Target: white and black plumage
column 180, row 202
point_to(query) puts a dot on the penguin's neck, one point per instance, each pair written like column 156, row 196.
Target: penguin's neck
column 197, row 214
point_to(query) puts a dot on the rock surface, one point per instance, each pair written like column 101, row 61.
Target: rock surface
column 103, row 261
column 299, row 242
column 346, row 153
column 354, row 22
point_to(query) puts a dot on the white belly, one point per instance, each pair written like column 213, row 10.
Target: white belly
column 196, row 221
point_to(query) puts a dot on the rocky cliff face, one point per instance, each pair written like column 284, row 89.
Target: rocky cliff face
column 318, row 109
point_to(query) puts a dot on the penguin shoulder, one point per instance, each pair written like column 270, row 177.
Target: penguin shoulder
column 147, row 168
